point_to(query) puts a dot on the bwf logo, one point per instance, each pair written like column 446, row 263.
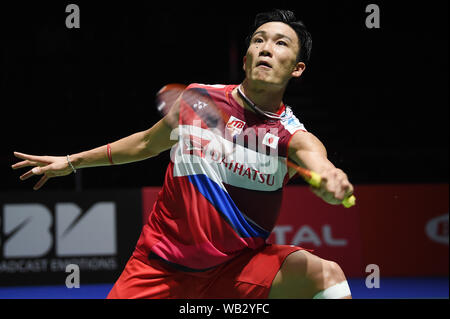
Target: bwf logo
column 28, row 230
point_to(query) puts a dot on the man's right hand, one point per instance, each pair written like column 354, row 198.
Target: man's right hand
column 49, row 166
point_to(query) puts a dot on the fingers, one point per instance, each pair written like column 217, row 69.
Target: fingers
column 27, row 156
column 27, row 175
column 40, row 170
column 32, row 172
column 37, row 171
column 24, row 164
column 42, row 166
column 46, row 170
column 321, row 192
column 335, row 184
column 41, row 182
column 325, row 195
column 29, row 160
column 348, row 189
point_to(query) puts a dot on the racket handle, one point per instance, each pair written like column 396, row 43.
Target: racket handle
column 314, row 179
column 349, row 201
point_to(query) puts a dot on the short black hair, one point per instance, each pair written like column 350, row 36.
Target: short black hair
column 287, row 17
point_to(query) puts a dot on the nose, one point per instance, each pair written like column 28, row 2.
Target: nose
column 265, row 53
column 266, row 49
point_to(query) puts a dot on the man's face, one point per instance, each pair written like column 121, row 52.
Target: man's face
column 272, row 55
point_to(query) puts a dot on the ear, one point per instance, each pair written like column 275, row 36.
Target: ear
column 298, row 69
column 245, row 60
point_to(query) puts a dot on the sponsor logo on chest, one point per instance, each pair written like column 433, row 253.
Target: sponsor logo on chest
column 235, row 126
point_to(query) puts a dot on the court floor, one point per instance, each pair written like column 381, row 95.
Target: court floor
column 390, row 288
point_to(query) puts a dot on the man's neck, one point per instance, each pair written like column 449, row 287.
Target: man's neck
column 267, row 99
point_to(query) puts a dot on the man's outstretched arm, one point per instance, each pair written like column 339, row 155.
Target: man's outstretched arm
column 308, row 151
column 133, row 148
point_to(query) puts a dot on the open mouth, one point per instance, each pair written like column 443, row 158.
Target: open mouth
column 263, row 64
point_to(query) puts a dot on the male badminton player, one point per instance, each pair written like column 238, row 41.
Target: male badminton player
column 206, row 234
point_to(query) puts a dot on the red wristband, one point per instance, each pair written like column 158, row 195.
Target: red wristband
column 108, row 150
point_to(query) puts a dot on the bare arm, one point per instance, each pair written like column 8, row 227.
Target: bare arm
column 136, row 147
column 308, row 151
column 133, row 148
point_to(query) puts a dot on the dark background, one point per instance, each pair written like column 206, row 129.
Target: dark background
column 377, row 98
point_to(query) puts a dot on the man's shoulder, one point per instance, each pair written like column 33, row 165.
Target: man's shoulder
column 290, row 122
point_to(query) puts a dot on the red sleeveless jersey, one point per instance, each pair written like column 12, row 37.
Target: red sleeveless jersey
column 215, row 204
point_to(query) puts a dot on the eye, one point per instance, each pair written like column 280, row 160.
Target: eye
column 257, row 40
column 281, row 42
